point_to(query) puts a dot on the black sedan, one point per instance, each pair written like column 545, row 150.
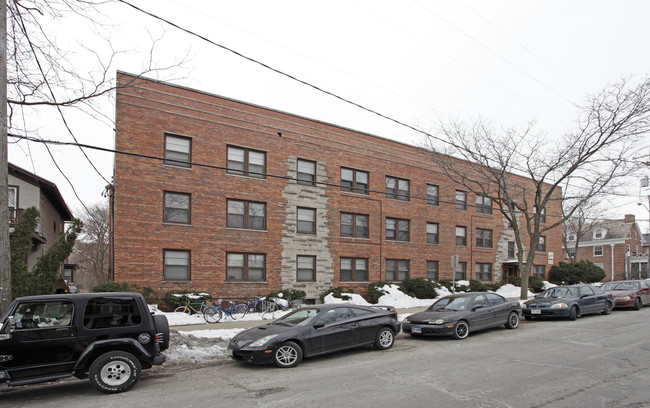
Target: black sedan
column 569, row 301
column 314, row 330
column 455, row 315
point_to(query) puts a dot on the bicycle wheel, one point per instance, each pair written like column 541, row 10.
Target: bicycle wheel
column 211, row 314
column 238, row 311
column 183, row 309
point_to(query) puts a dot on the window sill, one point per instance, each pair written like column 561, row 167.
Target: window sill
column 182, row 224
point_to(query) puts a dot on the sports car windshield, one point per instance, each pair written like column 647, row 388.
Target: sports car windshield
column 557, row 293
column 452, row 303
column 298, row 317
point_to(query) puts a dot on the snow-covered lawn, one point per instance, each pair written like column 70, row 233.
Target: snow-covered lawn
column 209, row 345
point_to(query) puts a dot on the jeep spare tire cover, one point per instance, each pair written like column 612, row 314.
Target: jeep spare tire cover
column 162, row 326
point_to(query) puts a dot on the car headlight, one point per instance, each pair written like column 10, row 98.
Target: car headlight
column 626, row 298
column 262, row 341
column 559, row 306
column 438, row 321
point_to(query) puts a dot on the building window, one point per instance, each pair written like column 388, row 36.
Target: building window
column 246, row 162
column 461, row 236
column 355, row 181
column 178, row 151
column 483, row 238
column 599, row 233
column 432, row 233
column 483, row 204
column 598, row 250
column 307, row 220
column 306, row 172
column 511, row 249
column 461, row 200
column 541, row 246
column 177, row 265
column 397, row 188
column 354, row 225
column 461, row 271
column 246, row 214
column 13, row 197
column 177, row 207
column 542, row 214
column 306, row 268
column 572, row 237
column 571, row 251
column 539, row 271
column 484, row 272
column 245, row 267
column 397, row 230
column 432, row 194
column 397, row 269
column 354, row 269
column 432, row 270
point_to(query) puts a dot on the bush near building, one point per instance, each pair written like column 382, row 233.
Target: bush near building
column 571, row 273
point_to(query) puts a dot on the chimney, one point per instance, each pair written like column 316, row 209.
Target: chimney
column 629, row 218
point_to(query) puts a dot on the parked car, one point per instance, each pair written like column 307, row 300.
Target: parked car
column 458, row 314
column 105, row 337
column 569, row 301
column 629, row 293
column 315, row 330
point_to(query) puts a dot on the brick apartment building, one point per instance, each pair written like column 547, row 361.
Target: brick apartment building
column 614, row 245
column 238, row 200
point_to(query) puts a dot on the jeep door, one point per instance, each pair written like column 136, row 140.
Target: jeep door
column 42, row 340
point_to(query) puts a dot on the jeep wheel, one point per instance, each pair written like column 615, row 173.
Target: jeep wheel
column 115, row 371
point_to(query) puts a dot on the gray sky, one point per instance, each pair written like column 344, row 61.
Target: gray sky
column 510, row 62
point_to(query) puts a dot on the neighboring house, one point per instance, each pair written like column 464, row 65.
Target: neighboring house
column 29, row 190
column 239, row 200
column 614, row 245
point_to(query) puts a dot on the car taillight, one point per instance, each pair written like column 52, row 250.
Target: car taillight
column 159, row 337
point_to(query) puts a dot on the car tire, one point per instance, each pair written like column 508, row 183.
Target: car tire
column 608, row 308
column 287, row 355
column 162, row 326
column 513, row 320
column 638, row 304
column 384, row 339
column 461, row 331
column 115, row 371
column 574, row 313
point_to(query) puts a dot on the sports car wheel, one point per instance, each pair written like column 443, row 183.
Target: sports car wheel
column 384, row 339
column 638, row 304
column 608, row 308
column 462, row 330
column 288, row 355
column 513, row 321
column 574, row 313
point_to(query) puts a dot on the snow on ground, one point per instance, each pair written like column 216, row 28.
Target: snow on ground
column 210, row 345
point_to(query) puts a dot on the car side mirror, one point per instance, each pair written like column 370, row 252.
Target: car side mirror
column 475, row 308
column 583, row 296
column 318, row 325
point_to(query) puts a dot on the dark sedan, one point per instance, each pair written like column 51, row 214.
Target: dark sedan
column 629, row 293
column 569, row 301
column 455, row 315
column 314, row 330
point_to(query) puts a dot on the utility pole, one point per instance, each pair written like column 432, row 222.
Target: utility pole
column 5, row 261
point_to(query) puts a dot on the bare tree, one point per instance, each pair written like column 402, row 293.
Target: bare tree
column 584, row 218
column 525, row 173
column 44, row 74
column 91, row 253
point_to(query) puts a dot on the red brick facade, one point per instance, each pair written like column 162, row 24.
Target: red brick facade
column 147, row 111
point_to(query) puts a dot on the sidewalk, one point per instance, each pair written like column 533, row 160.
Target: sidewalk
column 245, row 324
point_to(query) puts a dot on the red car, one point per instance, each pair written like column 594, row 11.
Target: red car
column 629, row 293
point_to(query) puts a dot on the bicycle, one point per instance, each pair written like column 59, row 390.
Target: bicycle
column 278, row 304
column 198, row 307
column 260, row 305
column 235, row 311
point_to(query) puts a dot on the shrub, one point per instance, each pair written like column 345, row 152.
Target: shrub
column 375, row 290
column 337, row 292
column 448, row 283
column 290, row 294
column 149, row 294
column 570, row 273
column 419, row 288
column 535, row 284
column 478, row 286
column 176, row 299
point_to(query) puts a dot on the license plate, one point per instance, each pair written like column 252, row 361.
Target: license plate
column 417, row 330
column 535, row 311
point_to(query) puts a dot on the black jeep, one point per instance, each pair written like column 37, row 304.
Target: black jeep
column 107, row 337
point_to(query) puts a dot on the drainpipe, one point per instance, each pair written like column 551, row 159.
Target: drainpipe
column 612, row 247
